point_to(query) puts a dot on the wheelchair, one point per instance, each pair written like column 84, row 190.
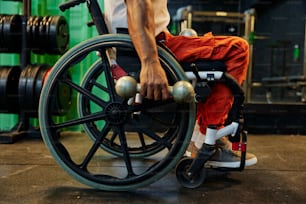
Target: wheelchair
column 125, row 145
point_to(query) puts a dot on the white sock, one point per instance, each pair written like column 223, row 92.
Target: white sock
column 210, row 136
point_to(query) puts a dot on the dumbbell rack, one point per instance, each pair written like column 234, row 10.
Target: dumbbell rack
column 28, row 75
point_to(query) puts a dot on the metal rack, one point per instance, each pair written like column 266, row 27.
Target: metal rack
column 42, row 35
column 20, row 129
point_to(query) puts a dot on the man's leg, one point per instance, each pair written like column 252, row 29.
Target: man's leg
column 234, row 52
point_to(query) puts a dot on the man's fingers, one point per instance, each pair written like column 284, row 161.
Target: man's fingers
column 147, row 91
column 143, row 90
column 165, row 93
column 156, row 92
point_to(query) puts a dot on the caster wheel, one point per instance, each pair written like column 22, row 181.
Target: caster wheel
column 183, row 178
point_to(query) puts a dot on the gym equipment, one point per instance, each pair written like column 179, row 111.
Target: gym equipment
column 108, row 159
column 30, row 84
column 20, row 89
column 181, row 91
column 44, row 35
column 48, row 34
column 20, row 86
column 188, row 32
column 10, row 33
column 9, row 76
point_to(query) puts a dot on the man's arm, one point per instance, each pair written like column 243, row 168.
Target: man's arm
column 153, row 80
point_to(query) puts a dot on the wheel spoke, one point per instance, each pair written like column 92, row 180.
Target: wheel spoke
column 85, row 92
column 150, row 133
column 108, row 76
column 142, row 141
column 149, row 105
column 156, row 118
column 98, row 85
column 82, row 120
column 114, row 136
column 95, row 147
column 124, row 149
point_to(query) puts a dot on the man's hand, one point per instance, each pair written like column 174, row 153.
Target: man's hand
column 153, row 81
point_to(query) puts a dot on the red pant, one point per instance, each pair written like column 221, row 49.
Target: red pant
column 234, row 51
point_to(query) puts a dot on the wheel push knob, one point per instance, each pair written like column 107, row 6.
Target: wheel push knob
column 182, row 91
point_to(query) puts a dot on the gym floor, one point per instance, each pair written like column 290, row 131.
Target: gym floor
column 28, row 174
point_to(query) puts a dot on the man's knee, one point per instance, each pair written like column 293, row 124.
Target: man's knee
column 242, row 44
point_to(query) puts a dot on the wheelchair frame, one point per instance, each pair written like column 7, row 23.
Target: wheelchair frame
column 116, row 114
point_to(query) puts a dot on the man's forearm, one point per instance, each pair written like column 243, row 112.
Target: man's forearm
column 142, row 29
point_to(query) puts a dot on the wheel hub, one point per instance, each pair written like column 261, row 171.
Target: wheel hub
column 116, row 113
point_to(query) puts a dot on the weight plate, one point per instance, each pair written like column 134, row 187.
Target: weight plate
column 22, row 88
column 35, row 35
column 3, row 44
column 12, row 33
column 3, row 88
column 58, row 35
column 42, row 34
column 39, row 81
column 1, row 35
column 29, row 95
column 9, row 77
column 29, row 31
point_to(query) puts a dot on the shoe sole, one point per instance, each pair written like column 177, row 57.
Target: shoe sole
column 216, row 164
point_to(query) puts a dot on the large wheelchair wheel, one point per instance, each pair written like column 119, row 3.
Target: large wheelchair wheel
column 76, row 138
column 143, row 147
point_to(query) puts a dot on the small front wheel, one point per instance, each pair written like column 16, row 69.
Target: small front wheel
column 184, row 179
